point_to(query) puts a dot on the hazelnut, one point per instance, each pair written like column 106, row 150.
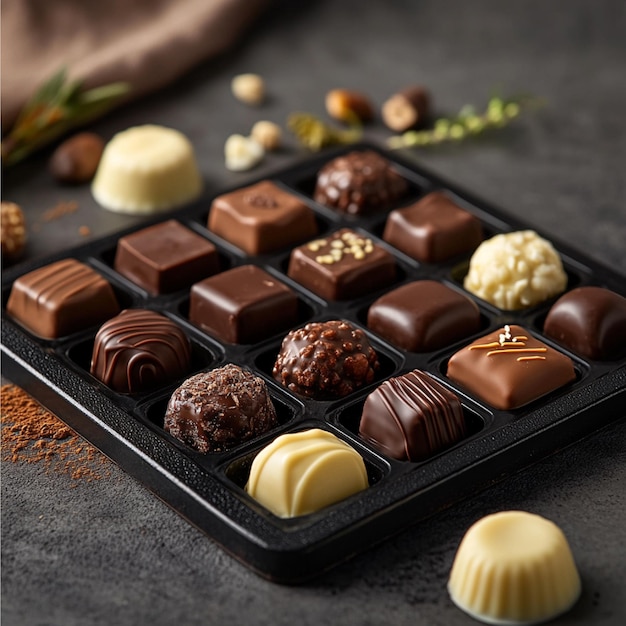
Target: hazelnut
column 248, row 88
column 76, row 159
column 406, row 109
column 12, row 231
column 349, row 106
column 242, row 153
column 268, row 134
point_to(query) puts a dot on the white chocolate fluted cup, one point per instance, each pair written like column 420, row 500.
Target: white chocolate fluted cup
column 146, row 169
column 514, row 567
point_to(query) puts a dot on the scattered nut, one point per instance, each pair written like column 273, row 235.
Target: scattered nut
column 12, row 231
column 76, row 159
column 407, row 109
column 242, row 153
column 248, row 88
column 349, row 106
column 268, row 134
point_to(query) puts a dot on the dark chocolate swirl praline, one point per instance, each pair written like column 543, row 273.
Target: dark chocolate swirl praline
column 326, row 360
column 217, row 410
column 140, row 350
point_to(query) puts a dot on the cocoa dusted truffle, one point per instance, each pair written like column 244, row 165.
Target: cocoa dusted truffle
column 140, row 350
column 359, row 182
column 326, row 360
column 217, row 410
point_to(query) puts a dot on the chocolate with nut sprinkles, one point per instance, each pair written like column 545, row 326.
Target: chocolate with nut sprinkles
column 359, row 182
column 326, row 360
column 217, row 410
column 343, row 265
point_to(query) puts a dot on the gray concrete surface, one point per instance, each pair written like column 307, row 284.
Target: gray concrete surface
column 108, row 552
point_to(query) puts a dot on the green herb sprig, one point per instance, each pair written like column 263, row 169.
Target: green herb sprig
column 315, row 134
column 498, row 113
column 58, row 106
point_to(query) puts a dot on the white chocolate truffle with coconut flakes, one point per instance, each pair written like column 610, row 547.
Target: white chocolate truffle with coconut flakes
column 516, row 270
column 514, row 567
column 146, row 169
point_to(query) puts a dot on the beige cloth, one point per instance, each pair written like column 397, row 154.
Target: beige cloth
column 145, row 42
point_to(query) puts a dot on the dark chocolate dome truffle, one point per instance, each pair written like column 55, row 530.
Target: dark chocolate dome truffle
column 140, row 350
column 359, row 182
column 217, row 410
column 326, row 360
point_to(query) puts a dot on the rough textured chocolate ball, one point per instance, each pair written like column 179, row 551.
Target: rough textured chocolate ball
column 326, row 360
column 359, row 182
column 217, row 410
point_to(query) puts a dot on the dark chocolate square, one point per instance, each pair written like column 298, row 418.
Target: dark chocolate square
column 433, row 229
column 423, row 315
column 165, row 257
column 243, row 305
column 342, row 265
column 591, row 321
column 509, row 368
column 261, row 218
column 61, row 298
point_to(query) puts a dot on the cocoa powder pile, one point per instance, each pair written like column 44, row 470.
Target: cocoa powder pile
column 30, row 434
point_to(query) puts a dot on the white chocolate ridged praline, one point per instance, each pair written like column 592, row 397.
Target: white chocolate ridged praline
column 303, row 472
column 514, row 567
column 147, row 169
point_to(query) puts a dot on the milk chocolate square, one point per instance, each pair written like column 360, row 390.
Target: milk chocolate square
column 243, row 305
column 423, row 315
column 509, row 368
column 61, row 298
column 261, row 218
column 342, row 265
column 433, row 229
column 165, row 257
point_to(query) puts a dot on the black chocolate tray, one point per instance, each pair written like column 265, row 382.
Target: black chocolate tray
column 208, row 490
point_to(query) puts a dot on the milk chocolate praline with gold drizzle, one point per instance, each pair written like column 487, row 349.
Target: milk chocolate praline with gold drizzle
column 140, row 350
column 509, row 368
column 61, row 298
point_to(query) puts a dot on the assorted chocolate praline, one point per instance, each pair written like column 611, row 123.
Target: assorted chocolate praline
column 140, row 350
column 590, row 321
column 326, row 360
column 216, row 410
column 344, row 264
